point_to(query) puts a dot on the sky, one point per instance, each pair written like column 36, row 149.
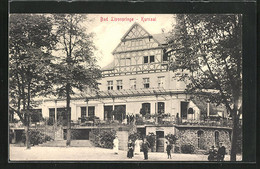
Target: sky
column 108, row 33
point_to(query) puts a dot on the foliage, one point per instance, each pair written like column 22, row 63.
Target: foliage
column 151, row 138
column 36, row 137
column 30, row 44
column 147, row 116
column 134, row 137
column 171, row 138
column 104, row 138
column 142, row 112
column 119, row 113
column 75, row 68
column 208, row 53
column 177, row 149
column 139, row 120
column 187, row 149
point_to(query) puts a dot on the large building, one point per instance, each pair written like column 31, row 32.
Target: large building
column 137, row 82
column 137, row 78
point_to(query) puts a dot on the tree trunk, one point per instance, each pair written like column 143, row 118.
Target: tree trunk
column 68, row 116
column 234, row 137
column 27, row 136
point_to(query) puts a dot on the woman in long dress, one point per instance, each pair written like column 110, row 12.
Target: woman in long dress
column 137, row 146
column 115, row 145
column 130, row 152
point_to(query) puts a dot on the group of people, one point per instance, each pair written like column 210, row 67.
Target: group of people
column 217, row 154
column 134, row 147
column 130, row 118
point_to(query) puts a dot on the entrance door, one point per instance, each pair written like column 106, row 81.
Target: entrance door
column 160, row 141
column 184, row 106
column 108, row 112
column 146, row 108
column 120, row 112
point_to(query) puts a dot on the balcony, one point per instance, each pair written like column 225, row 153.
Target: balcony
column 148, row 120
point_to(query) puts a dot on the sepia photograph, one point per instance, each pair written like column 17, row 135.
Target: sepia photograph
column 125, row 87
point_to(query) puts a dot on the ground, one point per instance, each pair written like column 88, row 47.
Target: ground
column 91, row 153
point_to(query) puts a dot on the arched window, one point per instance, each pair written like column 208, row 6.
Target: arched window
column 200, row 139
column 190, row 111
column 216, row 138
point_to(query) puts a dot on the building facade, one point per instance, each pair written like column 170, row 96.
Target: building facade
column 137, row 78
column 138, row 83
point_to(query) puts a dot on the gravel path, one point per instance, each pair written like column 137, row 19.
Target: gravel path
column 92, row 154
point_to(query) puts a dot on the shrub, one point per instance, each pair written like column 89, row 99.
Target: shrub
column 36, row 137
column 104, row 138
column 187, row 149
column 177, row 149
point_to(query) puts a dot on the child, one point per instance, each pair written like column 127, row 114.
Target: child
column 168, row 149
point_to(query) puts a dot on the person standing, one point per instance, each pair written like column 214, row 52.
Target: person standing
column 212, row 154
column 221, row 152
column 115, row 145
column 168, row 149
column 130, row 152
column 137, row 146
column 145, row 147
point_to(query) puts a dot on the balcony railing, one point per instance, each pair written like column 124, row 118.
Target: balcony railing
column 158, row 121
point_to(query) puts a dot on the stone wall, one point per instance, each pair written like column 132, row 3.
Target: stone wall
column 188, row 135
column 122, row 139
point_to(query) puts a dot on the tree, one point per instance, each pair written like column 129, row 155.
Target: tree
column 75, row 68
column 209, row 47
column 30, row 44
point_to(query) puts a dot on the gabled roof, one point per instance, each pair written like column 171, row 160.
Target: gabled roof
column 161, row 38
column 203, row 106
column 110, row 66
column 130, row 29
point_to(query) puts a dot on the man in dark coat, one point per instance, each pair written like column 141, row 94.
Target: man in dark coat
column 212, row 154
column 221, row 152
column 145, row 147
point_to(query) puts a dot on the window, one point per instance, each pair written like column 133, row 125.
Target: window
column 91, row 111
column 161, row 81
column 119, row 84
column 216, row 138
column 146, row 82
column 83, row 112
column 165, row 57
column 133, row 83
column 145, row 59
column 200, row 139
column 151, row 59
column 109, row 85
